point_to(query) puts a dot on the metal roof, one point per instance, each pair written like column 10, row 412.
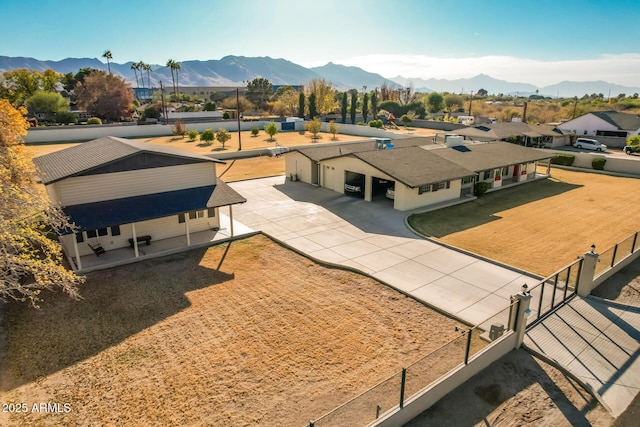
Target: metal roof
column 89, row 155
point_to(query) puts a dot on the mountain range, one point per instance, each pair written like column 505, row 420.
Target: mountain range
column 238, row 70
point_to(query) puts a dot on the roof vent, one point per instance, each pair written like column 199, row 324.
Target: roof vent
column 383, row 143
column 452, row 140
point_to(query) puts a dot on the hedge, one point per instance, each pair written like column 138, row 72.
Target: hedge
column 598, row 163
column 481, row 188
column 563, row 159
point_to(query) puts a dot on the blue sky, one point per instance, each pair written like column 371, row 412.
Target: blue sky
column 540, row 42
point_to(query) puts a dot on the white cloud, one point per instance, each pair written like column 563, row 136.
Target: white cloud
column 618, row 69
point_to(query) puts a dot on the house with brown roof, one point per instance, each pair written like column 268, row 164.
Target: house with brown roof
column 518, row 132
column 418, row 172
column 133, row 198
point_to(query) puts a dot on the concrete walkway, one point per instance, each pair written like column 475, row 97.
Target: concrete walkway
column 372, row 237
column 597, row 341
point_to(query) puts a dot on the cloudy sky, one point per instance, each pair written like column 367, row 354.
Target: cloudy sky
column 539, row 42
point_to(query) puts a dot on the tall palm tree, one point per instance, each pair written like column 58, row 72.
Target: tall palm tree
column 135, row 67
column 177, row 67
column 171, row 64
column 148, row 69
column 107, row 54
column 141, row 68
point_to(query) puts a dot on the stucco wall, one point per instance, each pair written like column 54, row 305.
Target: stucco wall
column 630, row 165
column 407, row 198
column 296, row 163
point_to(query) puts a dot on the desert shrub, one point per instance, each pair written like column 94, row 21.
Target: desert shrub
column 207, row 136
column 481, row 188
column 255, row 131
column 94, row 121
column 598, row 163
column 375, row 123
column 226, row 115
column 179, row 129
column 192, row 134
column 563, row 159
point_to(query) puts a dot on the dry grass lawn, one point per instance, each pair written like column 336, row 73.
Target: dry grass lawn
column 246, row 333
column 541, row 226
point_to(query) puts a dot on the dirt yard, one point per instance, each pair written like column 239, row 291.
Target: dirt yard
column 541, row 226
column 246, row 333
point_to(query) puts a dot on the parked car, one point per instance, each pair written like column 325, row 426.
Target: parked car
column 630, row 149
column 350, row 188
column 391, row 192
column 589, row 144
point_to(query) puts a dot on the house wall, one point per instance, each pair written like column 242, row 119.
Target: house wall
column 409, row 198
column 587, row 125
column 93, row 188
column 158, row 229
column 296, row 163
column 333, row 178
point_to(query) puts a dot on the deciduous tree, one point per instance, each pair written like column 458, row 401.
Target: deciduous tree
column 222, row 136
column 314, row 126
column 207, row 136
column 50, row 103
column 434, row 102
column 19, row 84
column 30, row 259
column 105, row 96
column 324, row 96
column 271, row 129
column 333, row 128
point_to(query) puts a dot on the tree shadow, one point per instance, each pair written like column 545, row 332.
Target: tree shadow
column 485, row 209
column 116, row 304
column 503, row 380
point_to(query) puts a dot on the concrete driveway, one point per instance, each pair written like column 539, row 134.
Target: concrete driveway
column 373, row 238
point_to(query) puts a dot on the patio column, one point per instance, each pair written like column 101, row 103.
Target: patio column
column 186, row 227
column 549, row 167
column 135, row 240
column 231, row 219
column 75, row 249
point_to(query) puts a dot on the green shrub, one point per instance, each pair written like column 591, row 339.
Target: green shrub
column 598, row 163
column 375, row 124
column 481, row 188
column 226, row 115
column 193, row 134
column 94, row 121
column 207, row 136
column 255, row 131
column 563, row 159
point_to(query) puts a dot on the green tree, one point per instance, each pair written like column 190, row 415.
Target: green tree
column 271, row 129
column 107, row 54
column 324, row 96
column 314, row 126
column 453, row 103
column 406, row 118
column 301, row 102
column 374, row 103
column 172, row 66
column 135, row 67
column 255, row 132
column 313, row 112
column 207, row 136
column 483, row 92
column 354, row 105
column 19, row 84
column 286, row 101
column 259, row 91
column 50, row 103
column 66, row 117
column 344, row 107
column 434, row 102
column 209, row 106
column 222, row 136
column 333, row 129
column 192, row 134
column 31, row 261
column 105, row 95
column 365, row 106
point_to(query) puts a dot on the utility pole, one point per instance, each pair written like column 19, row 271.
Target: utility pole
column 470, row 100
column 238, row 115
column 575, row 105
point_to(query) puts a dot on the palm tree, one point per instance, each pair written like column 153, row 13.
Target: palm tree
column 135, row 66
column 148, row 69
column 176, row 66
column 107, row 54
column 171, row 64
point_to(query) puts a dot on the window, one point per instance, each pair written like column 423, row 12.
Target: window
column 180, row 218
column 79, row 237
column 115, row 230
column 211, row 212
column 440, row 186
column 200, row 214
column 91, row 234
column 192, row 215
column 103, row 232
column 487, row 175
column 424, row 189
column 467, row 180
column 505, row 171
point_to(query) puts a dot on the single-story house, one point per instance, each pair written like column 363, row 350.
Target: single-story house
column 418, row 172
column 518, row 132
column 604, row 123
column 121, row 193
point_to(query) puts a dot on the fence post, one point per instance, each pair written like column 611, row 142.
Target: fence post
column 468, row 350
column 404, row 378
column 524, row 299
column 635, row 239
column 587, row 272
column 310, row 423
column 613, row 257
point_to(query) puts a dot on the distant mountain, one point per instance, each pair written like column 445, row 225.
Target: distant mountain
column 481, row 81
column 567, row 89
column 237, row 70
column 345, row 78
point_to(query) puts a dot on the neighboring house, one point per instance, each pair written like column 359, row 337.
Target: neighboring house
column 121, row 193
column 604, row 123
column 518, row 132
column 420, row 173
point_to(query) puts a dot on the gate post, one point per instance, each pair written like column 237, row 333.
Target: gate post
column 587, row 272
column 522, row 312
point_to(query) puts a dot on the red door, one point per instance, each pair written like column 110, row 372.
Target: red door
column 515, row 170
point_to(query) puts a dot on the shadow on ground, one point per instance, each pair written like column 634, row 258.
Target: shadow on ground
column 116, row 304
column 484, row 210
column 513, row 378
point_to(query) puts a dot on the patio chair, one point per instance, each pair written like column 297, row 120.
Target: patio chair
column 97, row 249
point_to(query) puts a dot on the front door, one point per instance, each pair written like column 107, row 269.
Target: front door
column 515, row 170
column 315, row 174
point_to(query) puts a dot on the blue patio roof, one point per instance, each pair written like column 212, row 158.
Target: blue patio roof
column 91, row 216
